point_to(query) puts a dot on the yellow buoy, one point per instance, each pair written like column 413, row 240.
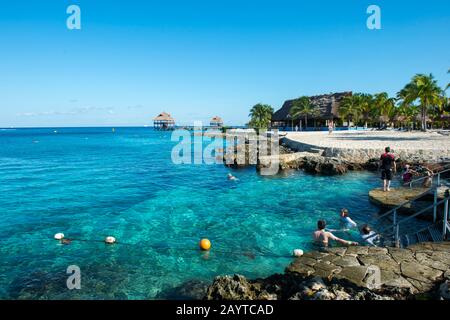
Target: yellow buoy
column 205, row 244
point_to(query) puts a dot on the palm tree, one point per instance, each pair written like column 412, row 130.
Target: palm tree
column 303, row 107
column 366, row 106
column 425, row 89
column 350, row 108
column 407, row 114
column 384, row 107
column 261, row 115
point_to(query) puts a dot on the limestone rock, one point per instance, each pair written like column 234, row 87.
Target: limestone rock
column 395, row 197
column 355, row 275
column 419, row 272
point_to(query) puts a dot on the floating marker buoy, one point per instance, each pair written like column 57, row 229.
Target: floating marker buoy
column 59, row 236
column 110, row 240
column 205, row 244
column 298, row 252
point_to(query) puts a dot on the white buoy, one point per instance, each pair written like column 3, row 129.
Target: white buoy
column 110, row 240
column 59, row 236
column 298, row 252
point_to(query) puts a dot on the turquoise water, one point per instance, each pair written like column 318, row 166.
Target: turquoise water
column 90, row 183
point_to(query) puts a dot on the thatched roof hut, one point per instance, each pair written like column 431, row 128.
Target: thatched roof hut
column 216, row 121
column 164, row 121
column 419, row 118
column 328, row 105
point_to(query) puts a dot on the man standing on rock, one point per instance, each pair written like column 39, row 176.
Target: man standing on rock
column 388, row 167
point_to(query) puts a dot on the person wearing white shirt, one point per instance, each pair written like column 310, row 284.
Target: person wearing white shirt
column 346, row 221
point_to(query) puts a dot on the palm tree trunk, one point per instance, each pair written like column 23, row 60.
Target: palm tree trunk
column 424, row 121
column 306, row 121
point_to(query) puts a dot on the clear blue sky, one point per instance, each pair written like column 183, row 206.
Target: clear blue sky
column 195, row 59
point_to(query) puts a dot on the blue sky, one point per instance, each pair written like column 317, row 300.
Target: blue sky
column 195, row 59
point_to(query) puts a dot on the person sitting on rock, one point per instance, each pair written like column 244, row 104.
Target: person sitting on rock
column 322, row 236
column 369, row 236
column 346, row 221
column 387, row 166
column 408, row 174
column 428, row 181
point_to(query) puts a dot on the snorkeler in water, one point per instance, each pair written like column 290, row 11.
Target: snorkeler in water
column 231, row 177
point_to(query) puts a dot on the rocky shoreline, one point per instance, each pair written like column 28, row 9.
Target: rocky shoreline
column 315, row 161
column 326, row 162
column 421, row 271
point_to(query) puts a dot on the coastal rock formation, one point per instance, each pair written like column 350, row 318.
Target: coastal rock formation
column 421, row 270
column 310, row 162
column 315, row 160
column 400, row 198
column 361, row 147
column 395, row 197
column 361, row 151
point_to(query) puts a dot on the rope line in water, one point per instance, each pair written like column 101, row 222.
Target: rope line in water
column 248, row 254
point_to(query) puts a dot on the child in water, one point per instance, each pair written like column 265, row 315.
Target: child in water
column 368, row 236
column 346, row 221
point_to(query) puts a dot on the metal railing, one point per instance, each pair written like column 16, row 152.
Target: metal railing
column 395, row 232
column 396, row 223
column 429, row 189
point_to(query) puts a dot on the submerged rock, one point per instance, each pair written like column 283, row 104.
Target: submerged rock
column 190, row 290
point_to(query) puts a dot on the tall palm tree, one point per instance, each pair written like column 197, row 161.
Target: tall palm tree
column 350, row 108
column 303, row 107
column 366, row 106
column 261, row 115
column 384, row 107
column 407, row 114
column 425, row 89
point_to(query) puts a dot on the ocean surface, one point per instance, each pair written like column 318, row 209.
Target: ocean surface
column 91, row 182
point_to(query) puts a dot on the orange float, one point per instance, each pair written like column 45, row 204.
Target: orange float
column 205, row 244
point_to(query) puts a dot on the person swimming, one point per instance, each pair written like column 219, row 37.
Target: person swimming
column 231, row 177
column 369, row 236
column 346, row 221
column 322, row 237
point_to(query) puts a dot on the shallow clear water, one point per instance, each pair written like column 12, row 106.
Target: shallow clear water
column 90, row 183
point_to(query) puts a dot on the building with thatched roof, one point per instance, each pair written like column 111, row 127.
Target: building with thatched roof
column 327, row 104
column 216, row 121
column 164, row 121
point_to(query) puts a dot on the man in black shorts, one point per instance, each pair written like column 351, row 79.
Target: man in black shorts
column 387, row 167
